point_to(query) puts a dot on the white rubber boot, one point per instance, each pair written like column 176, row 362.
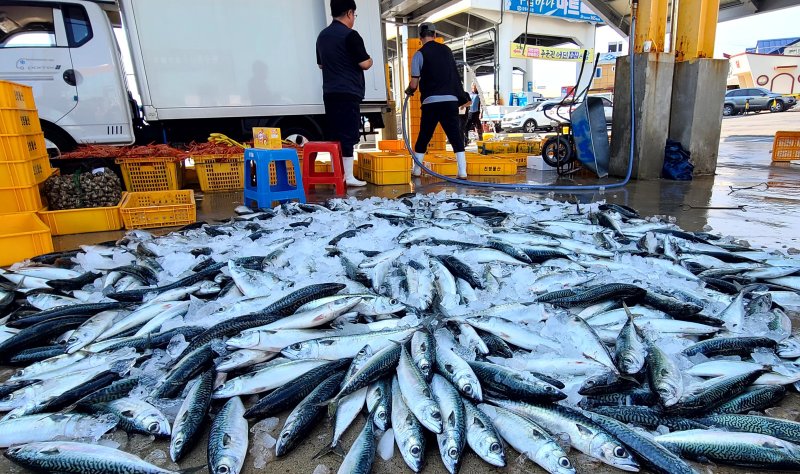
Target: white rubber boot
column 416, row 170
column 461, row 160
column 349, row 179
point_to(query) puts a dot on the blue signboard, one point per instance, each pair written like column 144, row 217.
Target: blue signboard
column 567, row 9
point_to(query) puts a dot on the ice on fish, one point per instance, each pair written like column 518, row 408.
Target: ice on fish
column 386, row 445
column 262, row 442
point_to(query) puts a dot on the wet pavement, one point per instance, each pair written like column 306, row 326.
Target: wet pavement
column 769, row 218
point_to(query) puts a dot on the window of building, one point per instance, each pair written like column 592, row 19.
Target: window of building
column 615, row 47
column 598, row 73
column 24, row 26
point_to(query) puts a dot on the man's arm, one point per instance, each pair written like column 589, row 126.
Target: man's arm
column 416, row 72
column 319, row 60
column 355, row 46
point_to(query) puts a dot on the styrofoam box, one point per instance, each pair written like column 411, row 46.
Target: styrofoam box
column 535, row 162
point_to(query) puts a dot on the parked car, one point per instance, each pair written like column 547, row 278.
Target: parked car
column 540, row 116
column 758, row 99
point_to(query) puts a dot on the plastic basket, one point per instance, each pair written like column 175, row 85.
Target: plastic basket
column 490, row 166
column 158, row 209
column 19, row 121
column 220, row 172
column 18, row 96
column 20, row 199
column 82, row 221
column 15, row 174
column 391, row 145
column 384, row 161
column 530, row 147
column 383, row 178
column 520, row 158
column 23, row 236
column 786, row 146
column 151, row 174
column 22, row 147
column 442, row 165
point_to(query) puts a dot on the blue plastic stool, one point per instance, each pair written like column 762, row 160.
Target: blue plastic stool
column 257, row 185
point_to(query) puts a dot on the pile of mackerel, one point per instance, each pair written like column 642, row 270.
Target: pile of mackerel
column 447, row 326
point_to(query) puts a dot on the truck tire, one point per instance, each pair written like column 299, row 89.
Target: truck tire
column 58, row 137
column 776, row 106
column 728, row 110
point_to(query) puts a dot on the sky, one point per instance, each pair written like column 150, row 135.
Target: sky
column 736, row 35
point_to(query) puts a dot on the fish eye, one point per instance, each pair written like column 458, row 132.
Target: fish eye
column 178, row 442
column 153, row 427
column 295, row 346
column 436, row 415
column 495, row 447
column 620, row 452
column 415, row 450
column 590, row 382
column 424, row 366
column 382, row 415
column 453, row 453
column 223, row 469
column 20, row 373
column 285, row 434
column 8, row 397
column 221, row 309
column 467, row 388
column 72, row 340
column 393, row 301
column 564, row 462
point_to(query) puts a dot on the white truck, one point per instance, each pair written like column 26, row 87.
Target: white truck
column 201, row 66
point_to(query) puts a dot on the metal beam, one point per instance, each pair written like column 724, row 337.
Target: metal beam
column 651, row 26
column 697, row 29
column 617, row 20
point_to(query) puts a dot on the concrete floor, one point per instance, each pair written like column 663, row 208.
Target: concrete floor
column 770, row 219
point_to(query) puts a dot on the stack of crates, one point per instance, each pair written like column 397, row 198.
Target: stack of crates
column 24, row 165
column 384, row 168
column 439, row 140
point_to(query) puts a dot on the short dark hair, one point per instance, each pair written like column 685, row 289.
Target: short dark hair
column 340, row 7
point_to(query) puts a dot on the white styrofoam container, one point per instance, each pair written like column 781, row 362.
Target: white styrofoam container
column 535, row 162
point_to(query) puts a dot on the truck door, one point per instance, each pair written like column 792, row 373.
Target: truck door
column 33, row 51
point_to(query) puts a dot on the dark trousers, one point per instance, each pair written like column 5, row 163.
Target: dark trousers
column 445, row 113
column 473, row 123
column 343, row 117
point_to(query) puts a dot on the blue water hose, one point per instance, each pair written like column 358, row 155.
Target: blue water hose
column 541, row 187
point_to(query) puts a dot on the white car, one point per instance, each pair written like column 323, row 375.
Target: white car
column 534, row 117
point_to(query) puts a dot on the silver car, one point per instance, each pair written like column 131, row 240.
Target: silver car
column 756, row 99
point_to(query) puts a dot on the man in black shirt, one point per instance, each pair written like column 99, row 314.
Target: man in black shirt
column 343, row 59
column 433, row 70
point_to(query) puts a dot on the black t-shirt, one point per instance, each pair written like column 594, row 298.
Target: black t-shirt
column 339, row 52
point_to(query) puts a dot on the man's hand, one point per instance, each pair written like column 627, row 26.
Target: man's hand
column 410, row 91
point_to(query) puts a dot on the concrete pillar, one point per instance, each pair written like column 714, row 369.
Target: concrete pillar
column 529, row 74
column 698, row 91
column 505, row 81
column 653, row 95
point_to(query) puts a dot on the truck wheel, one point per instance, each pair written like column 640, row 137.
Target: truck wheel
column 556, row 151
column 728, row 110
column 55, row 137
column 776, row 106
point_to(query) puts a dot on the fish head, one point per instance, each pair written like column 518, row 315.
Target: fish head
column 226, row 464
column 246, row 340
column 228, row 389
column 432, row 417
column 631, row 362
column 489, row 445
column 381, row 417
column 450, row 452
column 553, row 459
column 612, row 452
column 598, row 383
column 177, row 444
column 414, row 452
column 470, row 387
column 154, row 422
column 387, row 305
column 231, row 361
column 286, row 439
column 669, row 392
column 302, row 350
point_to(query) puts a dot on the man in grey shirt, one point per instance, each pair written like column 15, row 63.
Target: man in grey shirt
column 433, row 70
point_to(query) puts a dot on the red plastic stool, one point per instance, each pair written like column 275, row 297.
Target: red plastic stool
column 312, row 177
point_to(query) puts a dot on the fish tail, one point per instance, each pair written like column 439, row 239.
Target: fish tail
column 332, row 449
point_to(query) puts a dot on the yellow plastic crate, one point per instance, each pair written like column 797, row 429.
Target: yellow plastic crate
column 15, row 174
column 82, row 221
column 490, row 166
column 383, row 178
column 486, row 136
column 151, row 174
column 220, row 172
column 23, row 236
column 499, row 147
column 530, row 147
column 520, row 158
column 391, row 145
column 18, row 96
column 158, row 209
column 786, row 146
column 20, row 199
column 442, row 165
column 19, row 121
column 384, row 161
column 22, row 147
